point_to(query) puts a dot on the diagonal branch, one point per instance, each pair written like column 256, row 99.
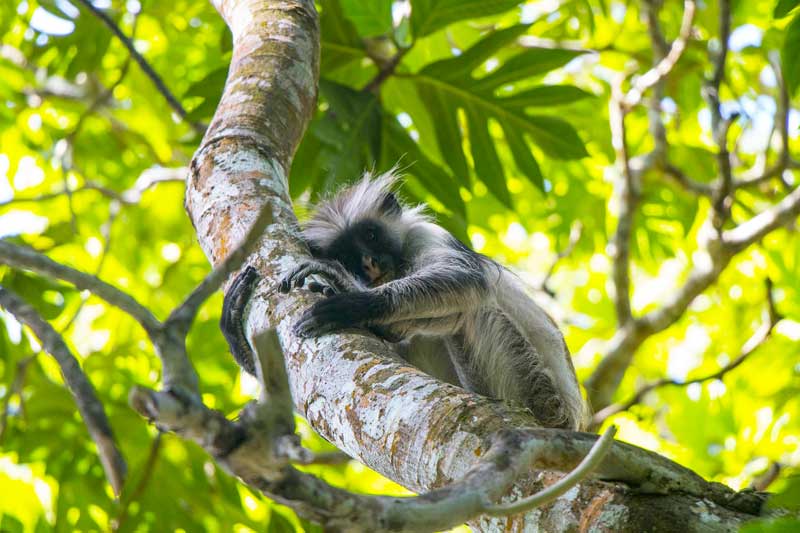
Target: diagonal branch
column 627, row 195
column 753, row 230
column 661, row 69
column 26, row 258
column 89, row 406
column 759, row 337
column 182, row 316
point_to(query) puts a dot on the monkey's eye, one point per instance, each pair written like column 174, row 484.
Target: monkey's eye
column 370, row 236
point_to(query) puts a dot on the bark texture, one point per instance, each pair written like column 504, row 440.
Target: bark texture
column 352, row 388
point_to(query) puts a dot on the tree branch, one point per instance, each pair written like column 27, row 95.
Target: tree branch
column 147, row 180
column 667, row 63
column 89, row 406
column 26, row 258
column 141, row 485
column 759, row 337
column 15, row 389
column 182, row 316
column 575, row 232
column 753, row 230
column 627, row 195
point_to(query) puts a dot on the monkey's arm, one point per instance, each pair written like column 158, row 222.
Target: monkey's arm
column 436, row 291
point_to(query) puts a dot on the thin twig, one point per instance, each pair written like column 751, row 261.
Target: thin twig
column 627, row 194
column 578, row 474
column 147, row 473
column 21, row 257
column 183, row 315
column 759, row 337
column 575, row 232
column 89, row 406
column 15, row 389
column 753, row 230
column 142, row 62
column 766, row 478
column 148, row 179
column 686, row 182
column 665, row 66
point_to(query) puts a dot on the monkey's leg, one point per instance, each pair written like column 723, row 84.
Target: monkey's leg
column 232, row 316
column 467, row 376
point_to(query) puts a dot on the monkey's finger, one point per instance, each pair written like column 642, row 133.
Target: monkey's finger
column 295, row 278
column 300, row 277
column 316, row 286
column 311, row 326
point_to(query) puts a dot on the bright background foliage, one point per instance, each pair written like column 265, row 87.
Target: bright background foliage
column 499, row 115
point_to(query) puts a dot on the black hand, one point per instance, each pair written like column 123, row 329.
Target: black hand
column 340, row 311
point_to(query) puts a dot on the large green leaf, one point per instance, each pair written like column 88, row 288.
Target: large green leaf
column 446, row 92
column 370, row 18
column 399, row 146
column 790, row 56
column 545, row 96
column 484, row 153
column 470, row 59
column 427, row 16
column 784, row 7
column 339, row 40
column 529, row 63
column 342, row 142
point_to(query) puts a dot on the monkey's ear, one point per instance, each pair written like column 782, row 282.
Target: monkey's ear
column 390, row 204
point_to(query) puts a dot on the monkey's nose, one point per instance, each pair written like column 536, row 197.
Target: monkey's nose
column 371, row 267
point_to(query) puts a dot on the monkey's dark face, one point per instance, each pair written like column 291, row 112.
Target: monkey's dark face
column 369, row 250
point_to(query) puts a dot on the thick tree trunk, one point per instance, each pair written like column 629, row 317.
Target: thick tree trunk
column 351, row 388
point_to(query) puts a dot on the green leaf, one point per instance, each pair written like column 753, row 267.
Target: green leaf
column 398, row 146
column 427, row 16
column 556, row 137
column 531, row 62
column 544, row 96
column 347, row 138
column 783, row 7
column 790, row 56
column 370, row 18
column 523, row 157
column 487, row 163
column 210, row 90
column 470, row 59
column 448, row 132
column 339, row 41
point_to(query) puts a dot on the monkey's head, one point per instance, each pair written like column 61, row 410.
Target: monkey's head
column 364, row 227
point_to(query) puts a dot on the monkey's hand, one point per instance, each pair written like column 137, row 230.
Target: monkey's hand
column 342, row 311
column 338, row 278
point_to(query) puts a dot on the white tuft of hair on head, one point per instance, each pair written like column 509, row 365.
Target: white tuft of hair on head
column 359, row 201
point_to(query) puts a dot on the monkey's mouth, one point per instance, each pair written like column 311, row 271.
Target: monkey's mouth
column 376, row 274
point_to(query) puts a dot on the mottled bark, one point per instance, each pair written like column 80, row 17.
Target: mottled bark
column 352, row 388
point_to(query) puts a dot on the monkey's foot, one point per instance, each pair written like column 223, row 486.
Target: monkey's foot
column 231, row 322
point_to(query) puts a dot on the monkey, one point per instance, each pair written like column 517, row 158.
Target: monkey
column 390, row 269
